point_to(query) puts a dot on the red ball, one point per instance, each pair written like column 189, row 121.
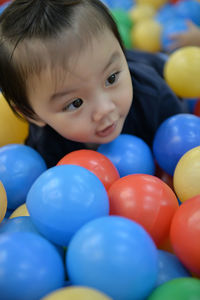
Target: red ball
column 185, row 234
column 95, row 162
column 197, row 108
column 147, row 200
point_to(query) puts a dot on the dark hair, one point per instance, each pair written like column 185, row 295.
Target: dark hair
column 27, row 21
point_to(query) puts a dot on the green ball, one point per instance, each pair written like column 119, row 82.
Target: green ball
column 125, row 36
column 177, row 289
column 121, row 17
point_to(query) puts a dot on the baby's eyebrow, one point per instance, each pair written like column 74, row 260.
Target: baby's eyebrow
column 58, row 95
column 115, row 56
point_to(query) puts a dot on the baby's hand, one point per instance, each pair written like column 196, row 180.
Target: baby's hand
column 191, row 37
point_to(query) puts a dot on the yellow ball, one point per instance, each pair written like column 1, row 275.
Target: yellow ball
column 141, row 12
column 12, row 129
column 187, row 175
column 145, row 35
column 20, row 211
column 182, row 72
column 155, row 3
column 76, row 293
column 3, row 202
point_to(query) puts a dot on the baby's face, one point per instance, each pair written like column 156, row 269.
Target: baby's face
column 90, row 101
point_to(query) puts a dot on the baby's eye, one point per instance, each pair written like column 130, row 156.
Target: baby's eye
column 112, row 79
column 74, row 105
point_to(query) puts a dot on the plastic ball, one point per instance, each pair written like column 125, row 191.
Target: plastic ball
column 147, row 200
column 31, row 267
column 141, row 12
column 20, row 211
column 170, row 267
column 125, row 36
column 185, row 233
column 187, row 175
column 179, row 289
column 18, row 224
column 166, row 14
column 130, row 155
column 182, row 72
column 75, row 293
column 145, row 35
column 20, row 165
column 95, row 162
column 197, row 108
column 63, row 199
column 114, row 255
column 174, row 137
column 175, row 26
column 3, row 202
column 12, row 128
column 121, row 17
column 155, row 3
column 189, row 9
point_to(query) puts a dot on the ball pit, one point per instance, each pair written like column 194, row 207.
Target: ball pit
column 36, row 255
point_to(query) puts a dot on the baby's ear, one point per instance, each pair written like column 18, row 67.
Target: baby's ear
column 35, row 120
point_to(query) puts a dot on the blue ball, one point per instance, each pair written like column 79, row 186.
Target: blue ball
column 119, row 4
column 31, row 267
column 189, row 9
column 20, row 165
column 130, row 155
column 3, row 6
column 114, row 255
column 170, row 267
column 64, row 198
column 174, row 26
column 18, row 224
column 174, row 137
column 166, row 14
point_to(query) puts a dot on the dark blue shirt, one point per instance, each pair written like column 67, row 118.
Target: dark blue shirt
column 153, row 102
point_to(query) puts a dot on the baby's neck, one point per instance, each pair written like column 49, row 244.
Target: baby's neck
column 92, row 146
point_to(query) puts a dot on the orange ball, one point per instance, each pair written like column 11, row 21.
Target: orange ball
column 145, row 199
column 185, row 234
column 95, row 162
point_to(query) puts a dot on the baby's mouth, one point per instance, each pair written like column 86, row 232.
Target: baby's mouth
column 107, row 130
